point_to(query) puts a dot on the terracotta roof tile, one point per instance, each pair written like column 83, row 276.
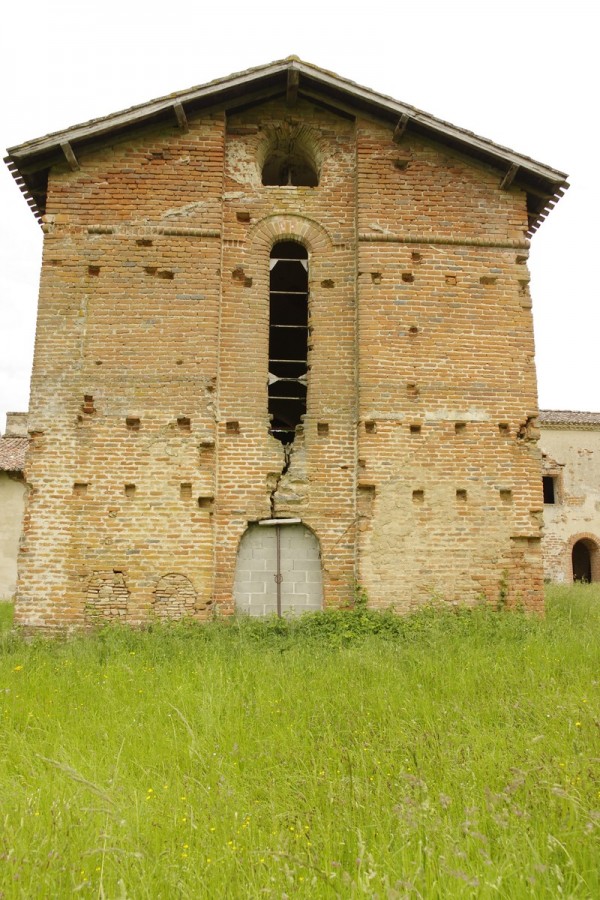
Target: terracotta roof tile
column 12, row 453
column 568, row 417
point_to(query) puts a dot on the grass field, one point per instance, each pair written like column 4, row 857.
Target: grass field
column 346, row 755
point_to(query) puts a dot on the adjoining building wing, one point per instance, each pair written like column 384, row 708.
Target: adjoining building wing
column 13, row 449
column 570, row 444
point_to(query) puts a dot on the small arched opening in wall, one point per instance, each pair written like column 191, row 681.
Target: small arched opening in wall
column 585, row 559
column 289, row 156
column 288, row 338
column 278, row 569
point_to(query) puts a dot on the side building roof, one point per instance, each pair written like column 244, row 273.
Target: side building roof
column 12, row 453
column 31, row 162
column 567, row 418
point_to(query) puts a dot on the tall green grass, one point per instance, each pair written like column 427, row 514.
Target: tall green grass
column 447, row 754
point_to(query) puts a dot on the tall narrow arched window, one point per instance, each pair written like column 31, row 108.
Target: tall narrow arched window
column 288, row 338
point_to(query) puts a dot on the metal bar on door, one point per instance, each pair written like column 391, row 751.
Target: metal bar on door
column 278, row 575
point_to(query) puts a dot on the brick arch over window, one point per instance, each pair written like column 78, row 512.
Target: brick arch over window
column 584, row 557
column 273, row 228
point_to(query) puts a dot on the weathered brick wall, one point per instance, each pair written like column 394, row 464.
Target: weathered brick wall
column 446, row 380
column 122, row 466
column 417, row 467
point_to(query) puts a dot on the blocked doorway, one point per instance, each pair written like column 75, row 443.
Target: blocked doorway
column 278, row 570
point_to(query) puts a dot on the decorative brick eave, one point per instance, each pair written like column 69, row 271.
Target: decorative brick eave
column 30, row 162
column 569, row 420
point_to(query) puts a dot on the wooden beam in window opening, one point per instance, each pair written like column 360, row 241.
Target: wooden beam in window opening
column 181, row 117
column 401, row 127
column 70, row 156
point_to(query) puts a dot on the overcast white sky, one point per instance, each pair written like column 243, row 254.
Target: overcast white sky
column 524, row 74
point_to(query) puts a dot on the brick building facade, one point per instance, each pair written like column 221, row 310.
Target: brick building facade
column 284, row 347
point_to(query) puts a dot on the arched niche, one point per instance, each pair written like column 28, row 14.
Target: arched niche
column 290, row 156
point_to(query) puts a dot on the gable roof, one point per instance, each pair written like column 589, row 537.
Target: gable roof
column 30, row 162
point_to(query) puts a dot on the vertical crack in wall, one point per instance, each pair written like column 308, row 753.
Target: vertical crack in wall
column 287, row 459
column 289, row 488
